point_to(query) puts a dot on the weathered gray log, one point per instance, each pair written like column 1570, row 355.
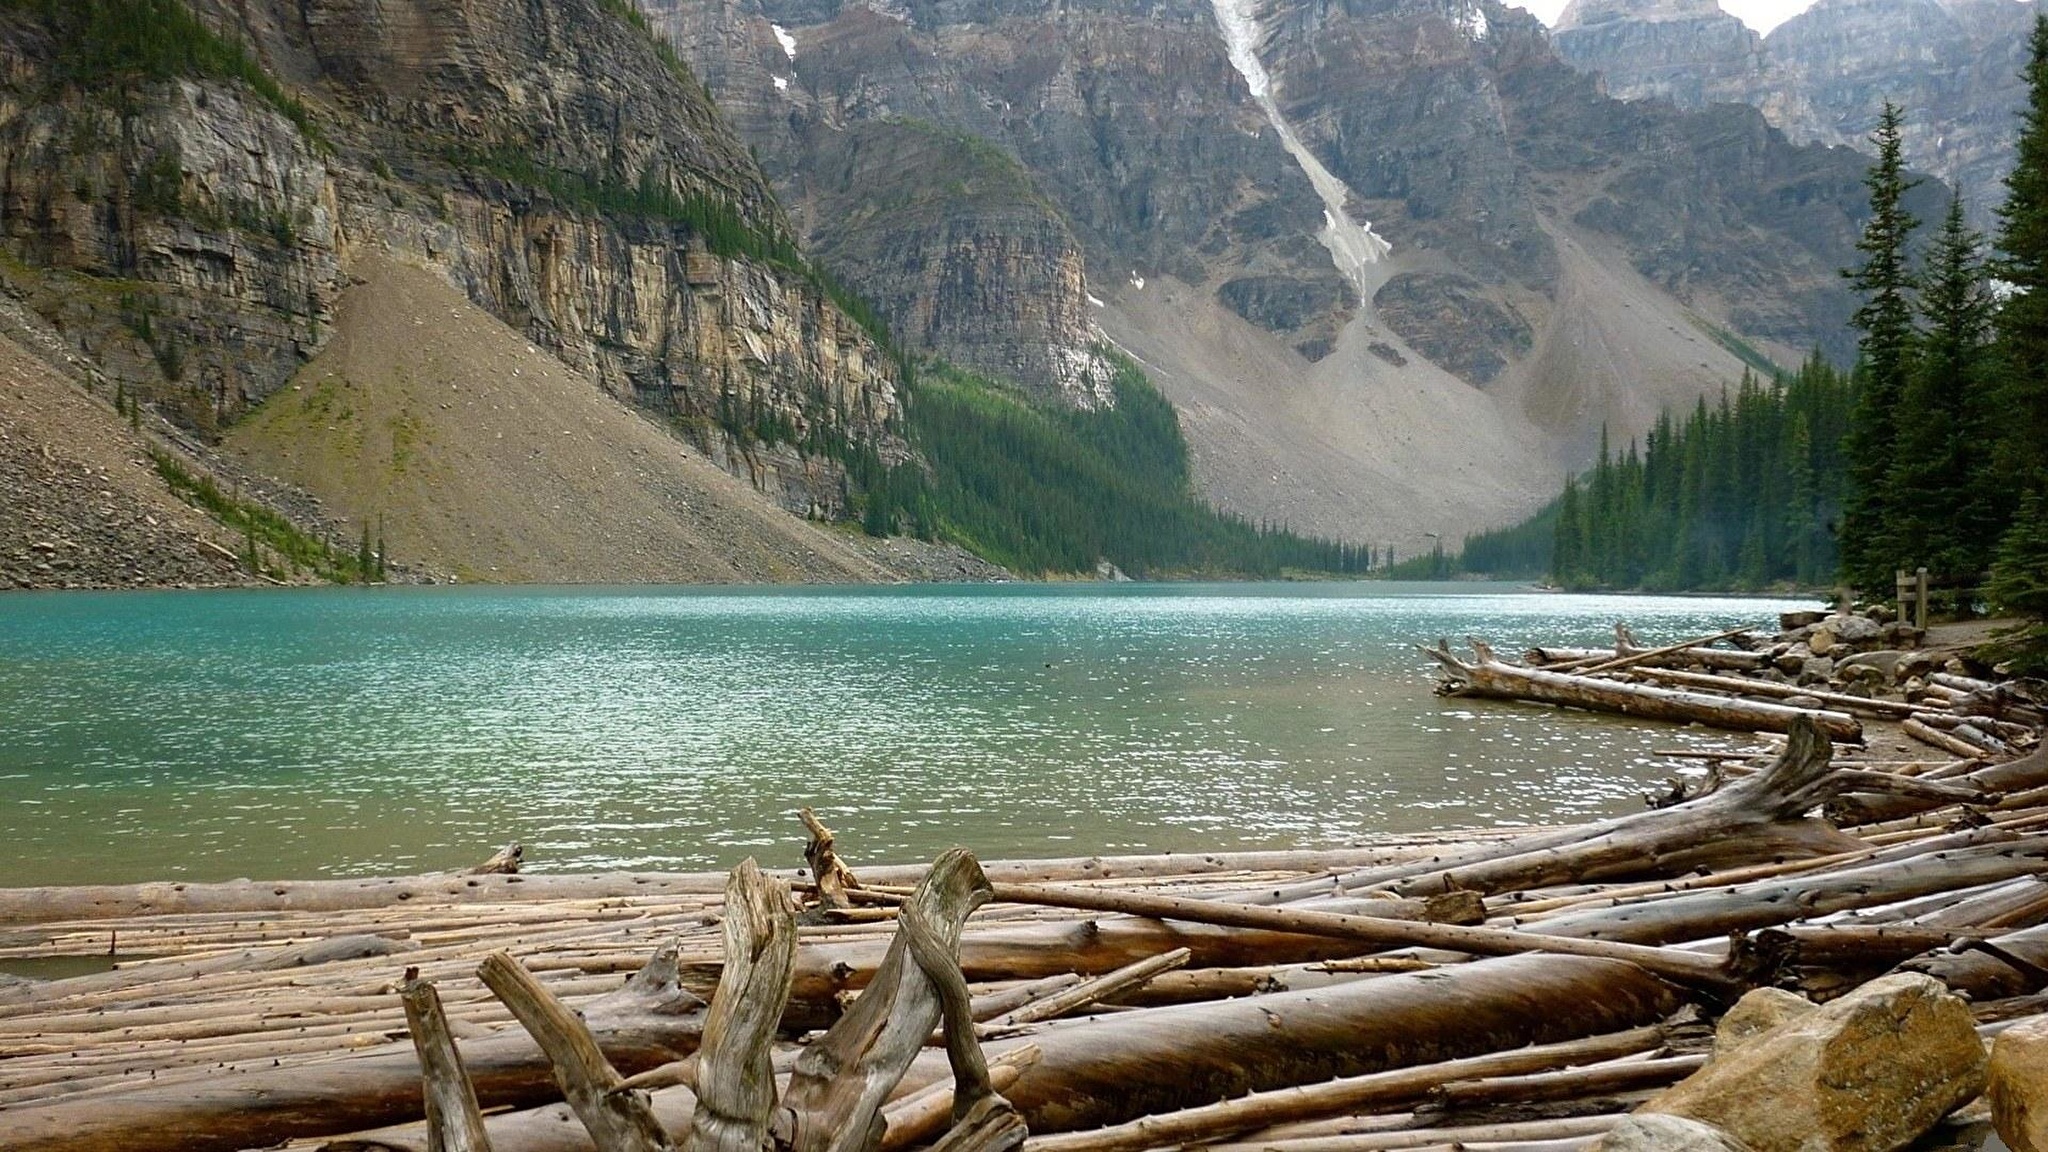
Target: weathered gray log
column 835, row 1097
column 504, row 862
column 1646, row 844
column 922, row 1115
column 1088, row 947
column 2027, row 772
column 618, row 1118
column 2013, row 966
column 1110, row 1069
column 1892, row 709
column 167, row 898
column 1747, row 907
column 832, row 878
column 453, row 1117
column 735, row 1081
column 1101, row 988
column 1377, row 1091
column 1625, row 645
column 1671, row 965
column 1490, row 678
column 1114, row 1069
column 649, row 1022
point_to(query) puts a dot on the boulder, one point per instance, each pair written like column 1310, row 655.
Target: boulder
column 1759, row 1011
column 1793, row 621
column 1885, row 661
column 1869, row 1072
column 2019, row 1086
column 1853, row 629
column 1655, row 1132
column 1816, row 670
column 1822, row 640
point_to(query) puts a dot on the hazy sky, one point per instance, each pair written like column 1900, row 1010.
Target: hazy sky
column 1762, row 15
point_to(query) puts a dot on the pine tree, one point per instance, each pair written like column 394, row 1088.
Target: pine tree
column 364, row 561
column 2019, row 580
column 2020, row 576
column 1936, row 521
column 1885, row 357
column 2021, row 261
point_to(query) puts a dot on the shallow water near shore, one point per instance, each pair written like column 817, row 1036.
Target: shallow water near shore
column 328, row 732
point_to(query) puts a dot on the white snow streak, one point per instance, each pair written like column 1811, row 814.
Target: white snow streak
column 781, row 83
column 783, row 38
column 1353, row 246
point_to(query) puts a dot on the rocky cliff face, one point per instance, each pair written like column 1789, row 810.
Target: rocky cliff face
column 1821, row 76
column 1230, row 174
column 551, row 159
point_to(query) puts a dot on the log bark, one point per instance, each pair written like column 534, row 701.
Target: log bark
column 1087, row 947
column 452, row 1113
column 1893, row 709
column 618, row 1118
column 1567, row 1084
column 1737, row 816
column 1747, row 907
column 1369, row 930
column 1357, row 1095
column 1487, row 677
column 922, row 1115
column 2027, row 772
column 735, row 1081
column 835, row 1098
column 1988, row 975
column 1463, row 1136
column 20, row 906
column 1396, row 1035
column 1101, row 988
column 650, row 1022
column 828, row 872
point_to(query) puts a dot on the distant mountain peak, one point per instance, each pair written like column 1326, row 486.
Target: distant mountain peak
column 1588, row 13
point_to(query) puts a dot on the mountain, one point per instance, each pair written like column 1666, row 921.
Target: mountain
column 1820, row 77
column 188, row 193
column 1393, row 260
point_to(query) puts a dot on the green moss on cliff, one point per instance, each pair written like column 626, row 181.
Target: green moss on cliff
column 110, row 41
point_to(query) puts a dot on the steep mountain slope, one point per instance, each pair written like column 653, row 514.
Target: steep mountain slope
column 186, row 210
column 1558, row 260
column 84, row 506
column 479, row 455
column 1953, row 65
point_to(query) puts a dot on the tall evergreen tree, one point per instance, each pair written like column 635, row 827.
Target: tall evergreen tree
column 1941, row 417
column 2021, row 327
column 2021, row 261
column 1885, row 358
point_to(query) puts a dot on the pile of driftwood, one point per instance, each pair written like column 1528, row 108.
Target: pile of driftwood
column 1529, row 989
column 1832, row 670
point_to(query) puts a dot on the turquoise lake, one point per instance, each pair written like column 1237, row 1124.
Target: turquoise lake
column 210, row 735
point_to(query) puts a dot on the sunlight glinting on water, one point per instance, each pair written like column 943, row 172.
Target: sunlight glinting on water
column 211, row 735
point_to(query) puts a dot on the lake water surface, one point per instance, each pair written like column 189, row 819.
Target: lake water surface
column 209, row 735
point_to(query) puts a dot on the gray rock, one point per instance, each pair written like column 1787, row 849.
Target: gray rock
column 1656, row 1132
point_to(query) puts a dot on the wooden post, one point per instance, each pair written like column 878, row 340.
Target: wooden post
column 1920, row 599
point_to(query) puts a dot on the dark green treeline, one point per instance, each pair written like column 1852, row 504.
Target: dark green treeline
column 1741, row 494
column 1043, row 489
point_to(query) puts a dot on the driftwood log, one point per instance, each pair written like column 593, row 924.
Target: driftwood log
column 1488, row 677
column 1110, row 1069
column 650, row 1022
